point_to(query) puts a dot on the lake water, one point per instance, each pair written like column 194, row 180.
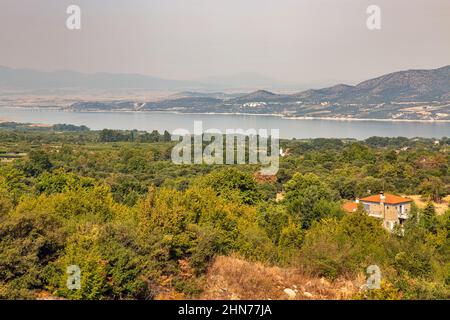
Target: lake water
column 289, row 128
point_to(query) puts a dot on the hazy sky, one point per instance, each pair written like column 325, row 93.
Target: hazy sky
column 307, row 42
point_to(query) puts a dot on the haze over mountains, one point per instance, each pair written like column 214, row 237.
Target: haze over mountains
column 27, row 79
column 410, row 94
column 34, row 80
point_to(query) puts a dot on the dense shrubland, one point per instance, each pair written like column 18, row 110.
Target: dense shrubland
column 112, row 203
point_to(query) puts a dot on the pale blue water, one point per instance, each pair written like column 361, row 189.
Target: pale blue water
column 289, row 128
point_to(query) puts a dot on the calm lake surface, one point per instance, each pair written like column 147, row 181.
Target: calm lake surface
column 289, row 128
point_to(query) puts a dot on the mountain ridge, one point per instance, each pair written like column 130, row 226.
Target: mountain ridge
column 402, row 95
column 415, row 94
column 400, row 86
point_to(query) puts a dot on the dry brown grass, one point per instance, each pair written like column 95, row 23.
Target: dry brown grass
column 233, row 278
column 441, row 207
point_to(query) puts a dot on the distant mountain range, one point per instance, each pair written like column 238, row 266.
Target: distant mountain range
column 407, row 95
column 402, row 86
column 27, row 79
column 36, row 81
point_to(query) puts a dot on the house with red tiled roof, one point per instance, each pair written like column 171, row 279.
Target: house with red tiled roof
column 350, row 206
column 389, row 208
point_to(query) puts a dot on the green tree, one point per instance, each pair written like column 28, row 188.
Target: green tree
column 428, row 219
column 233, row 184
column 38, row 162
column 309, row 199
column 432, row 188
column 334, row 247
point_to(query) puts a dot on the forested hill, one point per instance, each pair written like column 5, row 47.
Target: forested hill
column 140, row 227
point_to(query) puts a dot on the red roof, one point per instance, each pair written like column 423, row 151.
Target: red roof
column 350, row 206
column 390, row 199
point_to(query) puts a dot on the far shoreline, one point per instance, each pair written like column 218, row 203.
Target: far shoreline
column 230, row 113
